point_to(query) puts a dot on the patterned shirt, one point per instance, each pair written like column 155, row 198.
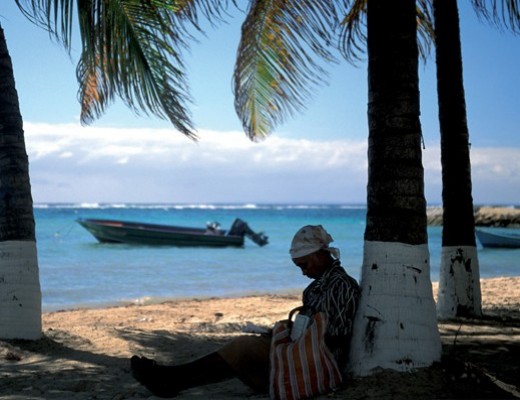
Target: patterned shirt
column 337, row 294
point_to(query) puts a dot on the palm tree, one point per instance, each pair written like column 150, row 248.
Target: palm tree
column 459, row 283
column 459, row 280
column 276, row 63
column 396, row 325
column 130, row 49
column 20, row 296
column 459, row 286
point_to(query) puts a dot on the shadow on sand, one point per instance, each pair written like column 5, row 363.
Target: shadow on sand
column 480, row 361
column 61, row 366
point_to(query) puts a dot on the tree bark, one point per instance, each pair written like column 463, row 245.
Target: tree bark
column 395, row 325
column 20, row 295
column 459, row 279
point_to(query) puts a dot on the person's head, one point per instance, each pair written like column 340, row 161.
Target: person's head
column 311, row 252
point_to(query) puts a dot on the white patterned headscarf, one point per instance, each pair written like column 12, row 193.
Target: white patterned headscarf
column 310, row 239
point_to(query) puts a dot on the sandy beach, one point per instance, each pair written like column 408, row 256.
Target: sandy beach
column 84, row 353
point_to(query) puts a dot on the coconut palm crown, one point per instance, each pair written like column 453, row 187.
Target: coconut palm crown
column 283, row 52
column 285, row 46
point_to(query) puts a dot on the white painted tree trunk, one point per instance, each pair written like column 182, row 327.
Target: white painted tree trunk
column 396, row 325
column 459, row 283
column 20, row 293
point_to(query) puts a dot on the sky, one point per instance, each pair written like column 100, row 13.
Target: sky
column 318, row 156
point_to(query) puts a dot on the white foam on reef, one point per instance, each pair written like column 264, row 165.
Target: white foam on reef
column 197, row 206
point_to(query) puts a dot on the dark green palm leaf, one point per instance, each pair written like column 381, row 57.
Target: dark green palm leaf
column 353, row 29
column 502, row 13
column 277, row 65
column 131, row 49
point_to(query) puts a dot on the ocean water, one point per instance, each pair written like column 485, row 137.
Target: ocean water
column 77, row 271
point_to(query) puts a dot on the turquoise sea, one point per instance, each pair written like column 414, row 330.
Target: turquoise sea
column 77, row 271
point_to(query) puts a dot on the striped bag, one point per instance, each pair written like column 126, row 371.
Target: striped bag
column 305, row 367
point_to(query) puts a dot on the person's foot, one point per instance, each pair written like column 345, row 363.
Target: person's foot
column 150, row 375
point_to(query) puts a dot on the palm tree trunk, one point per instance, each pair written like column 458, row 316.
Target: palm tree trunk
column 459, row 279
column 396, row 325
column 20, row 295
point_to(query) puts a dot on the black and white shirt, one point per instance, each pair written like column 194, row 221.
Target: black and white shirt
column 336, row 294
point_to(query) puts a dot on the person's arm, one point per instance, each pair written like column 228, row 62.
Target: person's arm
column 340, row 303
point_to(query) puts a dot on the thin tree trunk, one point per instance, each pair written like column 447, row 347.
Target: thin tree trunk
column 459, row 278
column 396, row 324
column 20, row 295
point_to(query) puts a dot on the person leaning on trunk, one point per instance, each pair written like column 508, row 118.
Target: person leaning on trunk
column 332, row 291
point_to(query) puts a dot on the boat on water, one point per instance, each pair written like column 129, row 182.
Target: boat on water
column 115, row 231
column 500, row 238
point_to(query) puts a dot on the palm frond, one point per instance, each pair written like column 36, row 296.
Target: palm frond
column 353, row 39
column 132, row 49
column 56, row 17
column 212, row 10
column 425, row 28
column 278, row 61
column 501, row 13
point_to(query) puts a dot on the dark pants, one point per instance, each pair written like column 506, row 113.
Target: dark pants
column 248, row 356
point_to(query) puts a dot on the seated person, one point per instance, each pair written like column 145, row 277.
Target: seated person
column 332, row 291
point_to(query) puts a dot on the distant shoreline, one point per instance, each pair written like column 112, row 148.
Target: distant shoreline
column 504, row 217
column 224, row 204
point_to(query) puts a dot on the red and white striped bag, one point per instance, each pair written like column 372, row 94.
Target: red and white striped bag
column 303, row 368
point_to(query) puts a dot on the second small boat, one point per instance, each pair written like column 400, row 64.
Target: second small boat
column 498, row 239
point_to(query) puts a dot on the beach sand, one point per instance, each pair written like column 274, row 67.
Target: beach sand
column 85, row 353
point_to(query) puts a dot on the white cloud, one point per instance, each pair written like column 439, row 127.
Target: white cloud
column 495, row 173
column 95, row 164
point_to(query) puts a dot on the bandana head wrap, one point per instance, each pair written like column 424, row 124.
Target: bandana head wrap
column 310, row 239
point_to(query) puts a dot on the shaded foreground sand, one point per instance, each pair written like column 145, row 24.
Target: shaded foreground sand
column 84, row 353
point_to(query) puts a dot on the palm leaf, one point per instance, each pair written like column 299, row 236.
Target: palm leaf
column 276, row 68
column 501, row 13
column 353, row 29
column 131, row 49
column 54, row 16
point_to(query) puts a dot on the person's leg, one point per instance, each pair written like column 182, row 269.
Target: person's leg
column 167, row 381
column 245, row 357
column 248, row 356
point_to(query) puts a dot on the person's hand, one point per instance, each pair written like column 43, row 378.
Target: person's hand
column 286, row 323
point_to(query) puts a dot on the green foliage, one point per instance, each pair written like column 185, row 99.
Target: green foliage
column 353, row 30
column 131, row 49
column 283, row 49
column 278, row 61
column 501, row 13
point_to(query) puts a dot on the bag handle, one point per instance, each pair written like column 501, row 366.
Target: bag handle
column 294, row 311
column 291, row 315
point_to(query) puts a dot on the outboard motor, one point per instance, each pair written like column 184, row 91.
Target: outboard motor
column 241, row 228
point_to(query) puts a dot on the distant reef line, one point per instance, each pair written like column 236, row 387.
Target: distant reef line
column 506, row 217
